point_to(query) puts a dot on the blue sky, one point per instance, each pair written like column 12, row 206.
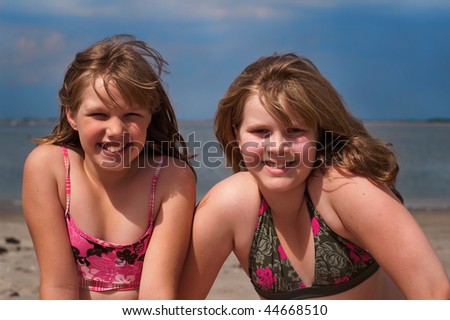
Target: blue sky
column 388, row 59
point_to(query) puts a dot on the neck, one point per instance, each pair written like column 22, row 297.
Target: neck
column 285, row 205
column 105, row 177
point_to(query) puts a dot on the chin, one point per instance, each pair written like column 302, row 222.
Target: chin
column 277, row 184
column 118, row 161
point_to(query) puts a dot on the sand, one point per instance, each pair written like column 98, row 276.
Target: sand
column 19, row 272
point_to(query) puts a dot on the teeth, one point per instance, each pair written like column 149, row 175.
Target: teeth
column 275, row 165
column 113, row 148
column 283, row 165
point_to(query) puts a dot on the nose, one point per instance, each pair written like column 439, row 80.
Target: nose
column 277, row 145
column 115, row 127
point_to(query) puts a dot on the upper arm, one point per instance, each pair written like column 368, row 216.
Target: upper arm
column 376, row 220
column 211, row 243
column 167, row 249
column 44, row 215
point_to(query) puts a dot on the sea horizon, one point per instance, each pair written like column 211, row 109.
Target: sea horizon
column 422, row 147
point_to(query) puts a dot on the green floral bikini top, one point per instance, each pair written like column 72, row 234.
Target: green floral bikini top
column 339, row 264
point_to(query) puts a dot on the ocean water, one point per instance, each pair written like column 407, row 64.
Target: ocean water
column 423, row 151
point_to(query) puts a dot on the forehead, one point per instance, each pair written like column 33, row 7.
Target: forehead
column 256, row 113
column 97, row 88
column 100, row 94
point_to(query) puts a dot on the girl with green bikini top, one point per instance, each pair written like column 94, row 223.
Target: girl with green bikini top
column 311, row 210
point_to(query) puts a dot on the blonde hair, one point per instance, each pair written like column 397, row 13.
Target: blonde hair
column 135, row 70
column 298, row 83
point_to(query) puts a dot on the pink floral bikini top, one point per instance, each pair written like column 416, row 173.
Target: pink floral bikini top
column 103, row 265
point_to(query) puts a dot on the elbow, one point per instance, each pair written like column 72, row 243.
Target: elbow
column 442, row 291
column 446, row 294
column 63, row 292
column 439, row 291
column 434, row 290
column 158, row 296
column 157, row 293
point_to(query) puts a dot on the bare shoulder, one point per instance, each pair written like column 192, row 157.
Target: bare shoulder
column 232, row 204
column 177, row 170
column 229, row 212
column 176, row 181
column 334, row 178
column 43, row 182
column 44, row 159
column 351, row 202
column 237, row 193
column 343, row 197
column 340, row 183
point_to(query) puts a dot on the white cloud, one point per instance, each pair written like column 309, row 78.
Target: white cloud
column 219, row 9
column 199, row 9
column 32, row 57
column 342, row 3
column 59, row 8
column 191, row 9
column 33, row 51
column 37, row 47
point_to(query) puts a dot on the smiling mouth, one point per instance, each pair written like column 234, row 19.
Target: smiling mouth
column 113, row 147
column 280, row 165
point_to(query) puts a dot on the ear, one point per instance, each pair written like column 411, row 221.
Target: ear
column 70, row 115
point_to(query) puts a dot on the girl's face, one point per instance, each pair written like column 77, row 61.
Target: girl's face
column 111, row 137
column 279, row 158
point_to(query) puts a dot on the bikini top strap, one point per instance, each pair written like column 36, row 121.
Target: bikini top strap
column 67, row 183
column 153, row 192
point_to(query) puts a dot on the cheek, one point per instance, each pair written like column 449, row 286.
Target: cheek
column 310, row 153
column 138, row 131
column 252, row 153
column 89, row 131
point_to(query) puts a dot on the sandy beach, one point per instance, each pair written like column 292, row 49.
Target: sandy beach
column 19, row 273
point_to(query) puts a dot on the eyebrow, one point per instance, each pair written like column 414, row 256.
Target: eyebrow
column 94, row 106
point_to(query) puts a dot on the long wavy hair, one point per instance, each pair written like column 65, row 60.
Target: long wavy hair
column 135, row 70
column 343, row 139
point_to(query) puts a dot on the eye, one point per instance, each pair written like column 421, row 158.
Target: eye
column 294, row 131
column 133, row 115
column 261, row 132
column 98, row 115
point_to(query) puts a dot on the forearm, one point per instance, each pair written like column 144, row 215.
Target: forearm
column 432, row 282
column 158, row 288
column 437, row 291
column 59, row 292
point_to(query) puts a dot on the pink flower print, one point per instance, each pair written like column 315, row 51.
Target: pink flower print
column 365, row 257
column 122, row 279
column 281, row 252
column 357, row 258
column 89, row 273
column 266, row 277
column 301, row 285
column 315, row 226
column 352, row 252
column 119, row 263
column 139, row 247
column 263, row 207
column 342, row 280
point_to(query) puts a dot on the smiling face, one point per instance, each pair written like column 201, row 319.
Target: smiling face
column 278, row 157
column 112, row 136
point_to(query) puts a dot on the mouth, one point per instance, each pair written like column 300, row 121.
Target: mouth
column 280, row 165
column 113, row 147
